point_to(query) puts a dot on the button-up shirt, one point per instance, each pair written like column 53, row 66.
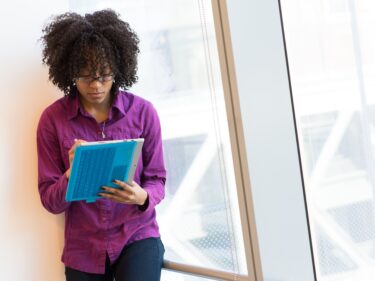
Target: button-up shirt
column 94, row 230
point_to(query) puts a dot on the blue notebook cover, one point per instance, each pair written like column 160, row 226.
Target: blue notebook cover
column 98, row 163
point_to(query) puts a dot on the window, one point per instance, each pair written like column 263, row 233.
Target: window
column 179, row 72
column 332, row 67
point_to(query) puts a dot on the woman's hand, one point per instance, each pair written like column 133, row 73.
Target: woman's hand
column 127, row 193
column 71, row 155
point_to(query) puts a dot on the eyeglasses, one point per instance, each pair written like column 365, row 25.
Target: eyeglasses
column 89, row 79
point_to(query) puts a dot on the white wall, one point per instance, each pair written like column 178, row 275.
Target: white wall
column 31, row 238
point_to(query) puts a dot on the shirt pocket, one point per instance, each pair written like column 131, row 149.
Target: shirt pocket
column 126, row 133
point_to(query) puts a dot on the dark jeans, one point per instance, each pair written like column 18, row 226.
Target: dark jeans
column 138, row 261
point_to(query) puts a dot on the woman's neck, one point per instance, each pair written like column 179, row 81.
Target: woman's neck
column 99, row 111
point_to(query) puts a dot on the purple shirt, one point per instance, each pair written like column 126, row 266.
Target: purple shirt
column 93, row 230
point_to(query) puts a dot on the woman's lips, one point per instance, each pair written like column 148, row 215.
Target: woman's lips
column 96, row 94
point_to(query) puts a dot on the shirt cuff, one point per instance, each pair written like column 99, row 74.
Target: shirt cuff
column 145, row 205
column 155, row 193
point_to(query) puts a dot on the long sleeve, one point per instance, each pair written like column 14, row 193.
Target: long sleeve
column 52, row 182
column 95, row 230
column 154, row 173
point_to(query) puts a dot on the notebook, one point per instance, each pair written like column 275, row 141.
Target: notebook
column 98, row 163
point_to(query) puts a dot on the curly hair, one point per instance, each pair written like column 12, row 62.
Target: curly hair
column 95, row 41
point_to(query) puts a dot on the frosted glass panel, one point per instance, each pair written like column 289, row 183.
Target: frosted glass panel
column 175, row 276
column 331, row 53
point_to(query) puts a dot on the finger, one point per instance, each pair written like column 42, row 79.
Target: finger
column 116, row 198
column 71, row 156
column 112, row 197
column 73, row 147
column 110, row 190
column 76, row 143
column 118, row 192
column 79, row 141
column 125, row 186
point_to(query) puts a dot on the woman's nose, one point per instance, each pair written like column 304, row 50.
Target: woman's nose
column 95, row 83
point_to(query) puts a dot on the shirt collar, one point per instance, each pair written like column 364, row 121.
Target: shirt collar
column 120, row 103
column 74, row 106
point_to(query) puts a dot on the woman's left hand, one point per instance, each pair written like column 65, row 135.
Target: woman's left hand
column 127, row 193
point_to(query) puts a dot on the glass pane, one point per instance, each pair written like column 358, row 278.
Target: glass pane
column 179, row 72
column 330, row 47
column 167, row 275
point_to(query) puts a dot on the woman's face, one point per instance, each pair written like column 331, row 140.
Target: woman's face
column 95, row 91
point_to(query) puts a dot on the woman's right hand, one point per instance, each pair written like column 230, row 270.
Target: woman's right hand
column 71, row 155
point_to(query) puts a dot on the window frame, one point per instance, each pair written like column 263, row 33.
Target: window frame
column 238, row 149
column 264, row 141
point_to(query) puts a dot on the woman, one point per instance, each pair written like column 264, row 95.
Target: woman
column 89, row 58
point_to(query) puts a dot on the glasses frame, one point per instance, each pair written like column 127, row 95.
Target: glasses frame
column 89, row 79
